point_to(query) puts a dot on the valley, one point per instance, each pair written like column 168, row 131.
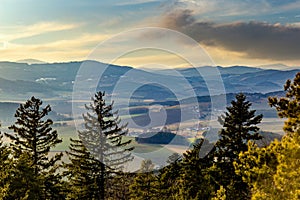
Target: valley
column 145, row 102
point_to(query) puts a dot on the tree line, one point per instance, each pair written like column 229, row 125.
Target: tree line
column 236, row 167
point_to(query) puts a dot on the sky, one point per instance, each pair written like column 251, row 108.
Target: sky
column 231, row 32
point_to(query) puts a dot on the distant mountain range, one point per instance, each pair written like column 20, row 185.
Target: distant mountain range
column 18, row 81
column 31, row 61
column 54, row 82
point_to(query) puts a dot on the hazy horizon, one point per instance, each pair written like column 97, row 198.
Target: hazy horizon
column 277, row 66
column 246, row 33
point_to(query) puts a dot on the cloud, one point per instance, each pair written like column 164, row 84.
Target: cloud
column 21, row 32
column 60, row 50
column 291, row 6
column 221, row 8
column 135, row 2
column 253, row 39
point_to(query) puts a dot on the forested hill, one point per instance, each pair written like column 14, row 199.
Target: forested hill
column 161, row 138
column 56, row 80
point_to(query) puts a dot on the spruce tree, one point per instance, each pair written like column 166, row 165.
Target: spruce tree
column 195, row 181
column 168, row 177
column 117, row 187
column 102, row 139
column 239, row 127
column 274, row 171
column 32, row 141
column 83, row 172
column 5, row 166
column 145, row 183
column 24, row 183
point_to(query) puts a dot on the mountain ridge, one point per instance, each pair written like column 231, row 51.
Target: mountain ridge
column 57, row 79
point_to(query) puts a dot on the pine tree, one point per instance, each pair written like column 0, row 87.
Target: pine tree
column 195, row 181
column 257, row 167
column 239, row 127
column 289, row 106
column 117, row 187
column 168, row 178
column 5, row 166
column 274, row 171
column 83, row 172
column 24, row 183
column 32, row 141
column 145, row 183
column 102, row 138
column 187, row 177
column 287, row 177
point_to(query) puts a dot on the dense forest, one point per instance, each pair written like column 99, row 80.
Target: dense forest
column 235, row 168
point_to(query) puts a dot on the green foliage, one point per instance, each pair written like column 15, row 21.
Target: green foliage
column 188, row 177
column 287, row 177
column 117, row 186
column 33, row 137
column 144, row 184
column 168, row 178
column 237, row 168
column 221, row 194
column 83, row 172
column 239, row 127
column 103, row 134
column 5, row 166
column 195, row 181
column 289, row 106
column 100, row 152
column 161, row 138
column 274, row 171
column 24, row 183
column 257, row 167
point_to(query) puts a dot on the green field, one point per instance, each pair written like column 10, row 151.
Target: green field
column 65, row 133
column 155, row 152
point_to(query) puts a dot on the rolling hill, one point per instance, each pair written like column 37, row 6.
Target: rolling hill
column 57, row 80
column 53, row 82
column 136, row 91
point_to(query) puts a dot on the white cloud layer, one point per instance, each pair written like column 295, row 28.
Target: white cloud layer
column 219, row 8
column 21, row 32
